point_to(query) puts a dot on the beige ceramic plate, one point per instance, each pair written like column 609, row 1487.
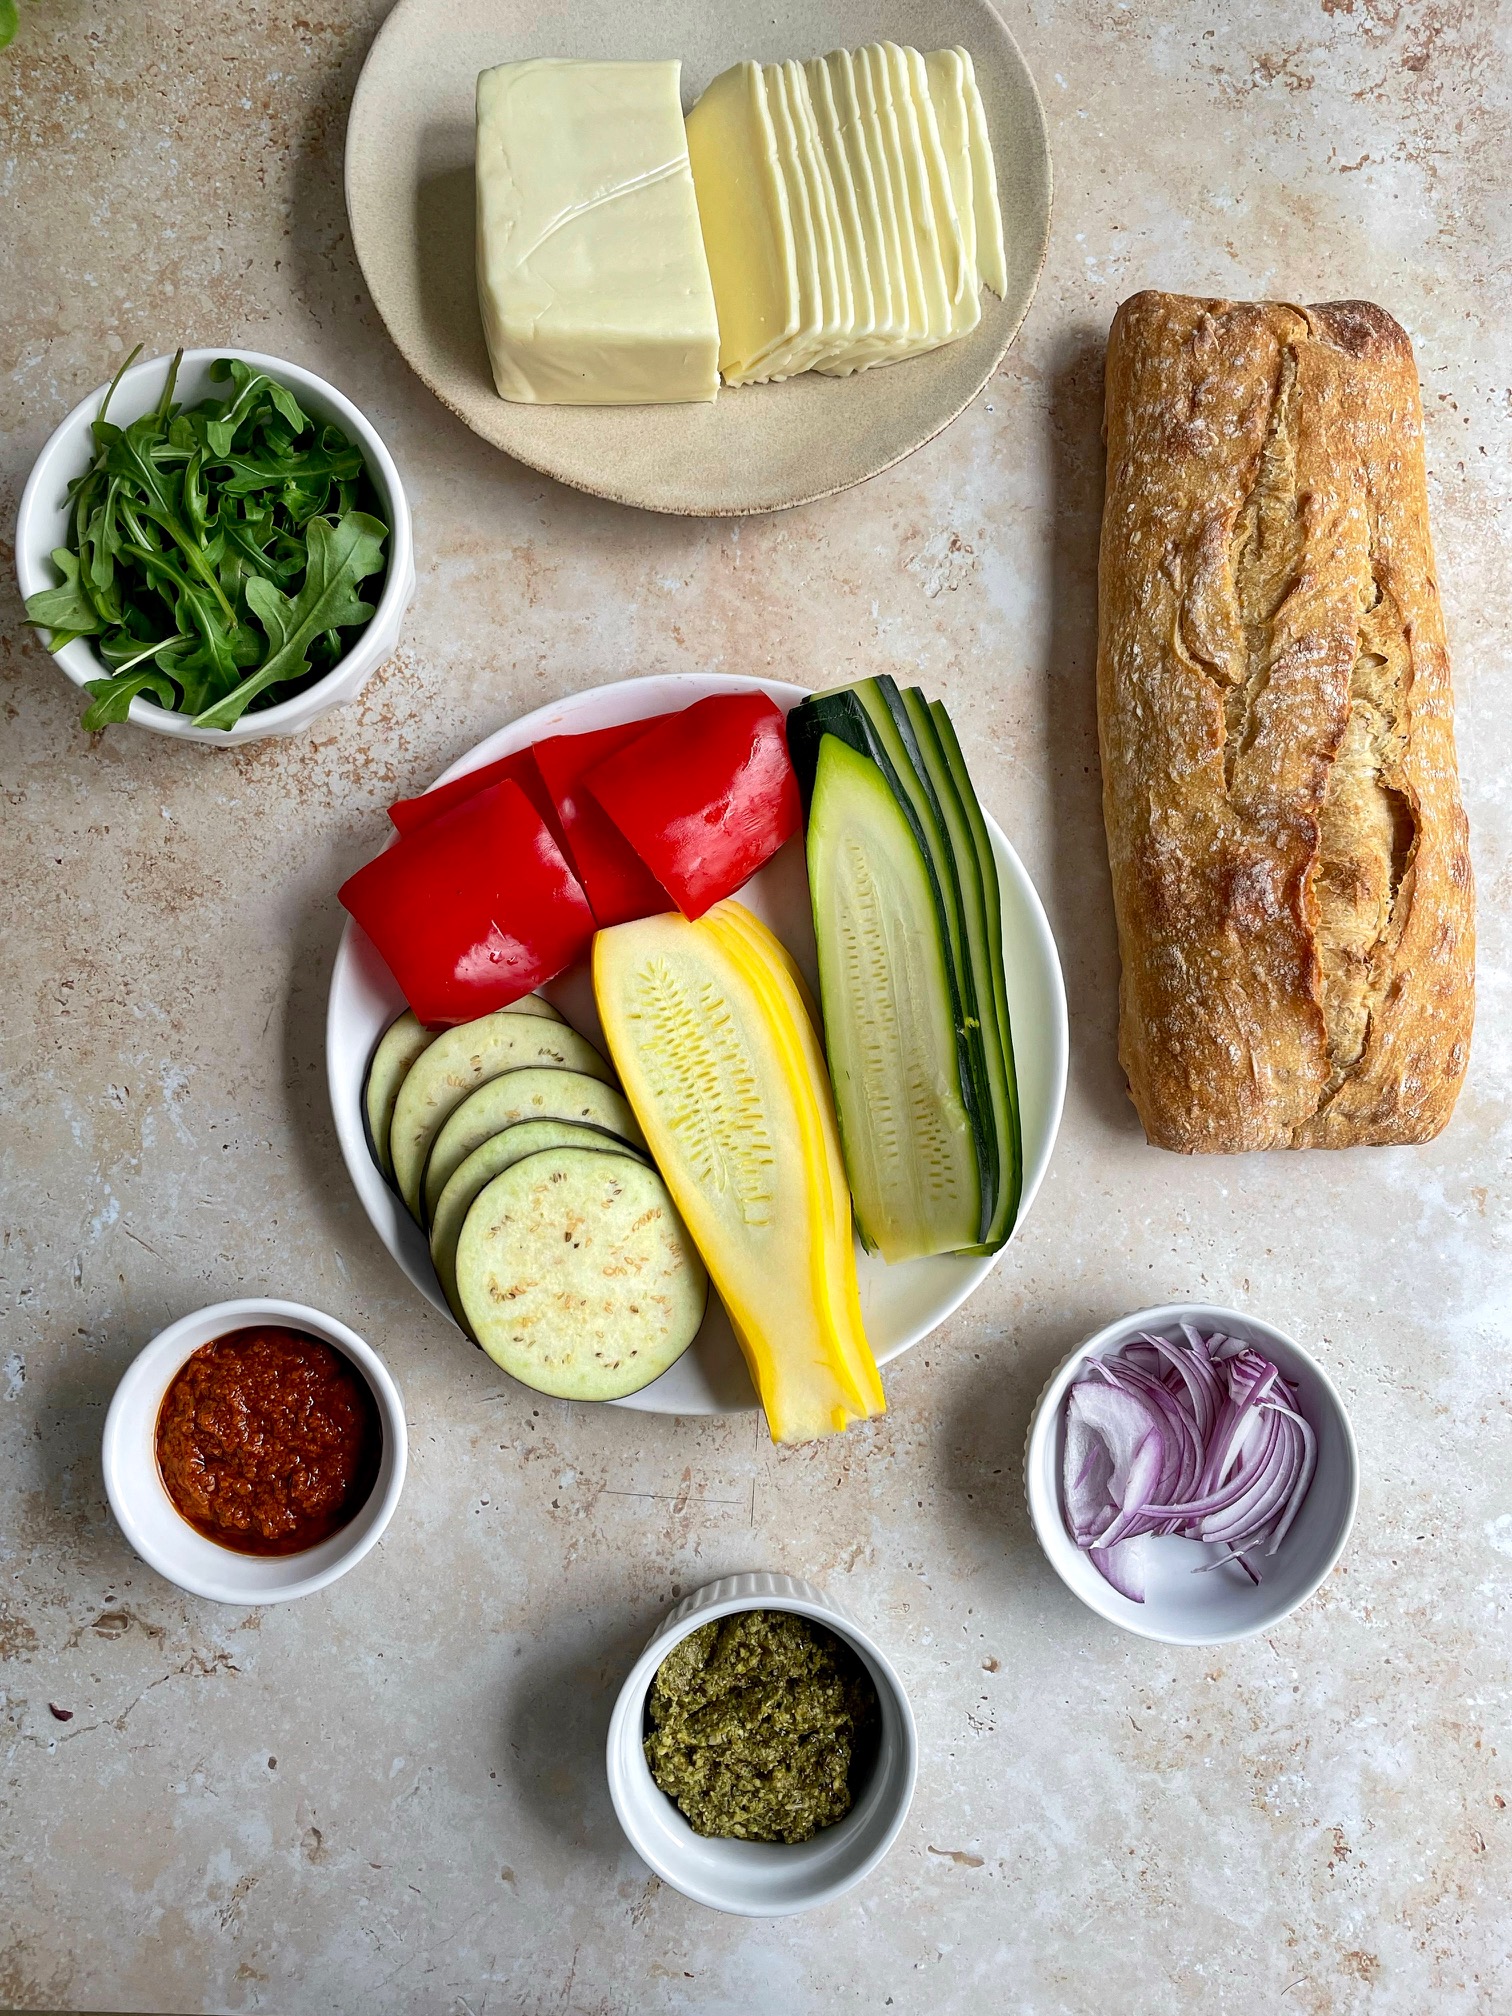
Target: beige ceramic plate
column 409, row 190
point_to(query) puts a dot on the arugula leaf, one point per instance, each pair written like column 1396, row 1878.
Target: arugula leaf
column 122, row 653
column 113, row 697
column 165, row 407
column 66, row 607
column 246, row 558
column 341, row 555
column 131, row 456
column 99, row 544
column 211, row 666
column 196, row 495
column 10, row 21
column 221, row 431
column 121, row 369
column 263, row 472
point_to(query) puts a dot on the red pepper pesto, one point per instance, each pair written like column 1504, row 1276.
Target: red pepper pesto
column 268, row 1440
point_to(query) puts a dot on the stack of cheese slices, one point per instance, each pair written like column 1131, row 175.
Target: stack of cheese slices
column 849, row 209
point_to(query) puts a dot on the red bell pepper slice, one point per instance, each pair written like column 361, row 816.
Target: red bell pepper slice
column 619, row 884
column 704, row 796
column 474, row 907
column 408, row 813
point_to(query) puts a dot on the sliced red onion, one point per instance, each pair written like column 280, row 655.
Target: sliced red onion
column 1140, row 1487
column 1122, row 1419
column 1124, row 1567
column 1200, row 1437
column 1198, row 1377
column 1223, row 1560
column 1304, row 1479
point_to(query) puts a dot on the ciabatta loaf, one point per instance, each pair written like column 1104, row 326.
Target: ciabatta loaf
column 1290, row 863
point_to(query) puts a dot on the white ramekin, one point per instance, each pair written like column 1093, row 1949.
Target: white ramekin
column 1181, row 1607
column 146, row 1514
column 42, row 524
column 759, row 1879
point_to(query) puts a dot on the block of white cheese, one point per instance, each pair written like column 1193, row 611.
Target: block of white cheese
column 592, row 277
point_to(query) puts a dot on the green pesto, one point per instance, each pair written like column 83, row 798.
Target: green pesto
column 760, row 1726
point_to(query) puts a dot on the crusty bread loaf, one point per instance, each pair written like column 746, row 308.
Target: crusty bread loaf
column 1289, row 852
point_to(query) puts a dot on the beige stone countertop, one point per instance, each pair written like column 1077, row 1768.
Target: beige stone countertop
column 391, row 1797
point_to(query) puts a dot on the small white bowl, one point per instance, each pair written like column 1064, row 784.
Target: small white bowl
column 42, row 525
column 146, row 1514
column 1180, row 1607
column 761, row 1879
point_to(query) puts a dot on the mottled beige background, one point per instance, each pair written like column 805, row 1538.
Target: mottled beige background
column 390, row 1798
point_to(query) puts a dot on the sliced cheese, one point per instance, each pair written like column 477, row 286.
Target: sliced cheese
column 592, row 278
column 992, row 261
column 883, row 252
column 880, row 126
column 793, row 354
column 846, row 204
column 747, row 228
column 947, row 91
column 933, row 277
column 834, row 268
column 961, row 285
column 861, row 241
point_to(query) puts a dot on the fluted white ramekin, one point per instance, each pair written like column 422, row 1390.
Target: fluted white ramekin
column 761, row 1879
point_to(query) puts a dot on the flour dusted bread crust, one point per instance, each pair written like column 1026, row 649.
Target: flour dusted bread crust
column 1289, row 851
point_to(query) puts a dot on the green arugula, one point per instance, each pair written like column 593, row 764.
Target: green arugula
column 213, row 552
column 67, row 608
column 113, row 697
column 340, row 556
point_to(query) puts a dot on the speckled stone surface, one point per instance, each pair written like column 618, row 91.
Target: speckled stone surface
column 391, row 1797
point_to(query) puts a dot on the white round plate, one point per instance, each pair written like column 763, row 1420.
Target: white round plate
column 409, row 195
column 900, row 1304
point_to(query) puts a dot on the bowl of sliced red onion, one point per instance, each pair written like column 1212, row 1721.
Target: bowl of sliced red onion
column 1191, row 1474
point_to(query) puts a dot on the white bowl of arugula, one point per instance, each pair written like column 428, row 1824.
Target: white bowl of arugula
column 215, row 546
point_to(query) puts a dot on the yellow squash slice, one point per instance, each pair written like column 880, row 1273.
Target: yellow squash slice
column 769, row 967
column 717, row 1054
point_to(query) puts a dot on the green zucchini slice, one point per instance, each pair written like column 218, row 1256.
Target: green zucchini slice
column 500, row 1152
column 887, row 710
column 982, row 917
column 513, row 1096
column 889, row 999
column 460, row 1059
column 870, row 718
column 578, row 1277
